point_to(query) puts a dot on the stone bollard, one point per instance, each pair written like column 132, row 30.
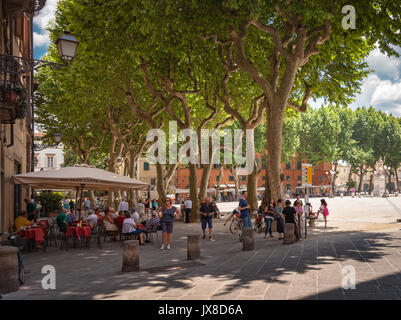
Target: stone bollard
column 193, row 247
column 8, row 269
column 312, row 222
column 289, row 233
column 248, row 239
column 130, row 256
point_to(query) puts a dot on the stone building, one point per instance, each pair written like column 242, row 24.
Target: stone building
column 16, row 111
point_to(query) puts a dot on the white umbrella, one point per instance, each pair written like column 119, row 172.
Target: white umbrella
column 80, row 176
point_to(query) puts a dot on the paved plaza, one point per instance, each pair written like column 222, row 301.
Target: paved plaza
column 362, row 233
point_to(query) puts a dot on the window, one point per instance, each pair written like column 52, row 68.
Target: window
column 146, row 166
column 36, row 160
column 243, row 178
column 263, row 163
column 231, row 178
column 263, row 178
column 50, row 161
column 288, row 165
column 299, row 178
column 288, row 178
column 152, row 181
column 217, row 178
column 299, row 165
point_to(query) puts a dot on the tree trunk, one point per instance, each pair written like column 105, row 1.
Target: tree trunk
column 236, row 187
column 371, row 180
column 204, row 184
column 396, row 177
column 268, row 192
column 193, row 185
column 92, row 197
column 334, row 178
column 274, row 130
column 349, row 179
column 251, row 188
column 389, row 181
column 161, row 189
column 360, row 178
column 221, row 174
column 112, row 168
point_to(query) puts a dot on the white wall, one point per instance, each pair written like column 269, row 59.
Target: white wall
column 42, row 158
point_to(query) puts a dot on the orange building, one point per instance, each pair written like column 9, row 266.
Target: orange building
column 292, row 176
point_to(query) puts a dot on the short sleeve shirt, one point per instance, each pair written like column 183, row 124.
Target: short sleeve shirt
column 206, row 209
column 244, row 213
column 289, row 213
column 168, row 214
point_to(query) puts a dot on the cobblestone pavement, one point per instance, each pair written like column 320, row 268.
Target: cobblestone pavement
column 309, row 269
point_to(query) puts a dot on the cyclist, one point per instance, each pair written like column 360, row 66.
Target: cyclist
column 235, row 211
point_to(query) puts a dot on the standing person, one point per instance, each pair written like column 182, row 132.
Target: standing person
column 244, row 207
column 280, row 219
column 300, row 217
column 154, row 205
column 147, row 206
column 290, row 215
column 188, row 209
column 298, row 198
column 140, row 208
column 72, row 204
column 206, row 210
column 166, row 213
column 324, row 210
column 31, row 209
column 87, row 204
column 123, row 206
column 269, row 217
column 66, row 205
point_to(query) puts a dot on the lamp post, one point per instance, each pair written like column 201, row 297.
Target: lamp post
column 57, row 137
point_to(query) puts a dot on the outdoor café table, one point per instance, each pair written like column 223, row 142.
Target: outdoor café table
column 84, row 231
column 34, row 233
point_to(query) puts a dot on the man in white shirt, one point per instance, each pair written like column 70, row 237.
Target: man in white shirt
column 188, row 208
column 92, row 218
column 123, row 206
column 141, row 208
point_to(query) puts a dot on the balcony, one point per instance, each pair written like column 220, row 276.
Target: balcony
column 17, row 7
column 13, row 103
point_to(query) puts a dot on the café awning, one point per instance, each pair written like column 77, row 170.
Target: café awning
column 79, row 176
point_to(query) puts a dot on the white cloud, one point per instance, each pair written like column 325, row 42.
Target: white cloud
column 387, row 68
column 42, row 21
column 41, row 39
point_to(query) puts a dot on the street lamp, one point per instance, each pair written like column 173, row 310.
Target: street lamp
column 67, row 46
column 57, row 137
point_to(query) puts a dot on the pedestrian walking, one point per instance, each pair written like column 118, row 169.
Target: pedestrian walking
column 188, row 209
column 206, row 210
column 123, row 206
column 280, row 219
column 166, row 214
column 324, row 210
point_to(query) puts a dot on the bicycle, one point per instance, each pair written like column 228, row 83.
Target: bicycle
column 13, row 240
column 259, row 223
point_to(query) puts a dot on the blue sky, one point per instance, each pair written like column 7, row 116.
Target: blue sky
column 381, row 89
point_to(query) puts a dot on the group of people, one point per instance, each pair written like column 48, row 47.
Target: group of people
column 282, row 212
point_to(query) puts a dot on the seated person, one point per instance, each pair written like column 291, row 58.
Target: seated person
column 99, row 216
column 62, row 221
column 120, row 220
column 135, row 216
column 22, row 221
column 71, row 216
column 109, row 223
column 151, row 224
column 129, row 227
column 92, row 218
